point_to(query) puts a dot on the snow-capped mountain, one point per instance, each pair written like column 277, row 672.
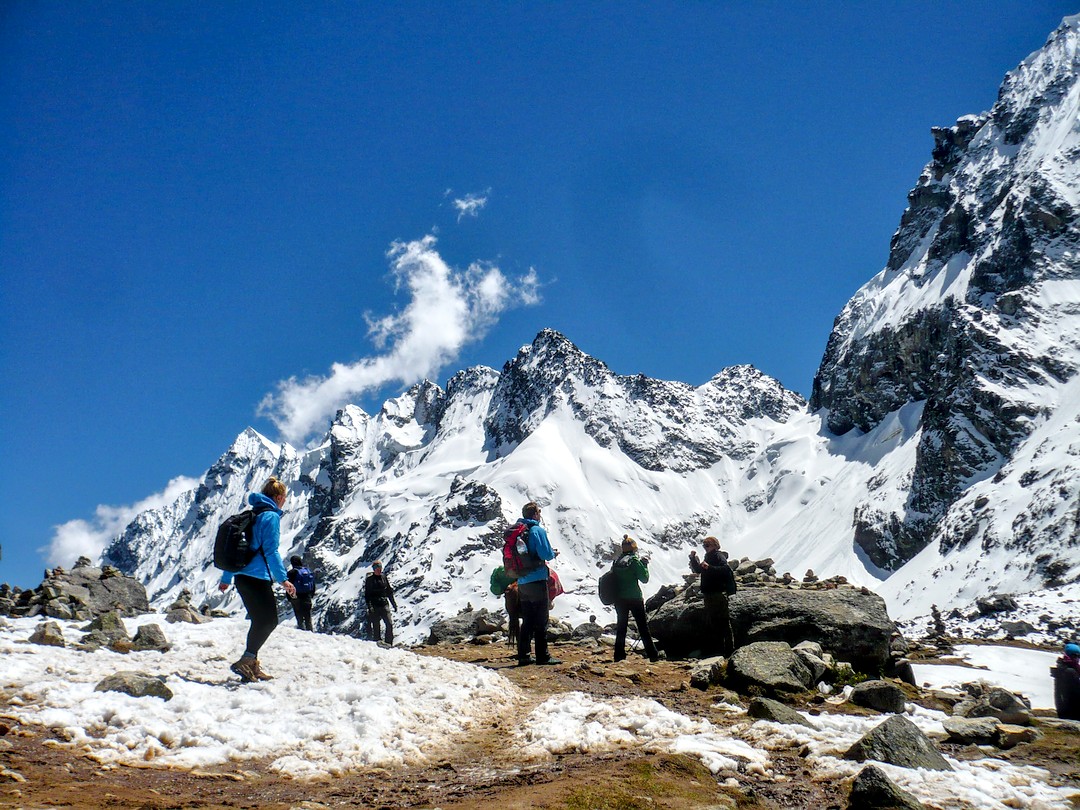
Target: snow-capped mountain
column 936, row 461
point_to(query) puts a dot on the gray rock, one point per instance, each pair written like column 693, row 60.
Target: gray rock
column 881, row 696
column 587, row 630
column 771, row 666
column 777, row 712
column 136, row 684
column 48, row 634
column 150, row 637
column 995, row 702
column 898, row 741
column 186, row 614
column 850, row 623
column 707, row 672
column 1009, row 736
column 996, row 603
column 971, row 730
column 463, row 626
column 813, row 662
column 873, row 790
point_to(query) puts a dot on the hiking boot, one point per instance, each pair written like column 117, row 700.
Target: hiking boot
column 548, row 662
column 524, row 662
column 620, row 657
column 259, row 674
column 245, row 668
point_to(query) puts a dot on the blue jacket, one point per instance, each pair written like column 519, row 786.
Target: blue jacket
column 540, row 546
column 267, row 536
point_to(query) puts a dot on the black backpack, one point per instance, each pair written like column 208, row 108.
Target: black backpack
column 606, row 588
column 233, row 544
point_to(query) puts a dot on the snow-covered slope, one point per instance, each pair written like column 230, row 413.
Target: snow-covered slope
column 937, row 460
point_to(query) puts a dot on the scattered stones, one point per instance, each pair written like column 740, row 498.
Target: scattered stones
column 993, row 701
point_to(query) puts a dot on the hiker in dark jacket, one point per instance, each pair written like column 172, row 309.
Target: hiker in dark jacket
column 304, row 582
column 533, row 592
column 630, row 570
column 379, row 597
column 717, row 582
column 255, row 582
column 1066, row 674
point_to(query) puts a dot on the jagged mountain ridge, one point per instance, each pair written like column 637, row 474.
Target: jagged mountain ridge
column 976, row 316
column 428, row 483
column 935, row 462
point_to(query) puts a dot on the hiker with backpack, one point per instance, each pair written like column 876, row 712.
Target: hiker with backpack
column 304, row 581
column 630, row 570
column 533, row 589
column 255, row 581
column 717, row 584
column 379, row 596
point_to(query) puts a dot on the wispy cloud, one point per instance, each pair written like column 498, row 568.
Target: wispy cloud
column 448, row 309
column 88, row 538
column 470, row 205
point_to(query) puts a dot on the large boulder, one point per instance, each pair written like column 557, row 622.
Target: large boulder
column 881, row 696
column 776, row 712
column 850, row 623
column 873, row 790
column 83, row 593
column 772, row 667
column 993, row 701
column 898, row 742
column 464, row 626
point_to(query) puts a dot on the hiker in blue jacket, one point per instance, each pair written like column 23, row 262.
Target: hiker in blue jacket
column 533, row 592
column 255, row 582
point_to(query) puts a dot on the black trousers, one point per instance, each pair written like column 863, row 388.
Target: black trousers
column 258, row 597
column 623, row 609
column 718, row 615
column 534, row 620
column 301, row 606
column 377, row 614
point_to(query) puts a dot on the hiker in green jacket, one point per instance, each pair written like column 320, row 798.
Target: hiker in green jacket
column 630, row 569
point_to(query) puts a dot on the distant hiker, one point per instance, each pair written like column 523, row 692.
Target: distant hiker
column 630, row 569
column 379, row 597
column 1066, row 675
column 304, row 581
column 717, row 583
column 533, row 591
column 255, row 582
column 512, row 603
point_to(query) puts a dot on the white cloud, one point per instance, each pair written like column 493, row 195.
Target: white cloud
column 88, row 538
column 448, row 309
column 470, row 205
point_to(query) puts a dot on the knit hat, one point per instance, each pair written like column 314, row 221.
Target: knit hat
column 628, row 543
column 1073, row 650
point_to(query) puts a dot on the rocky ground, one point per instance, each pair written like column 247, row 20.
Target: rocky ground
column 41, row 772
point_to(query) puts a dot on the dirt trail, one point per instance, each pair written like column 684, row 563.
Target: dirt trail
column 479, row 773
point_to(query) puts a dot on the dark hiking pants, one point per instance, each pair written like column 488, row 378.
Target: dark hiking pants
column 258, row 597
column 534, row 620
column 623, row 609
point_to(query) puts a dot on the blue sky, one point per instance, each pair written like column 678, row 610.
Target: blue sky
column 197, row 201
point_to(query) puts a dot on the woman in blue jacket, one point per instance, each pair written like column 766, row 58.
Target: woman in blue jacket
column 255, row 582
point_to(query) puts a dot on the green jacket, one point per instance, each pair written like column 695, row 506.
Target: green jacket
column 629, row 571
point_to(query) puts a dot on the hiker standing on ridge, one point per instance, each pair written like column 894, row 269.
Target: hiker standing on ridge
column 717, row 583
column 533, row 591
column 304, row 581
column 255, row 582
column 630, row 569
column 379, row 596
